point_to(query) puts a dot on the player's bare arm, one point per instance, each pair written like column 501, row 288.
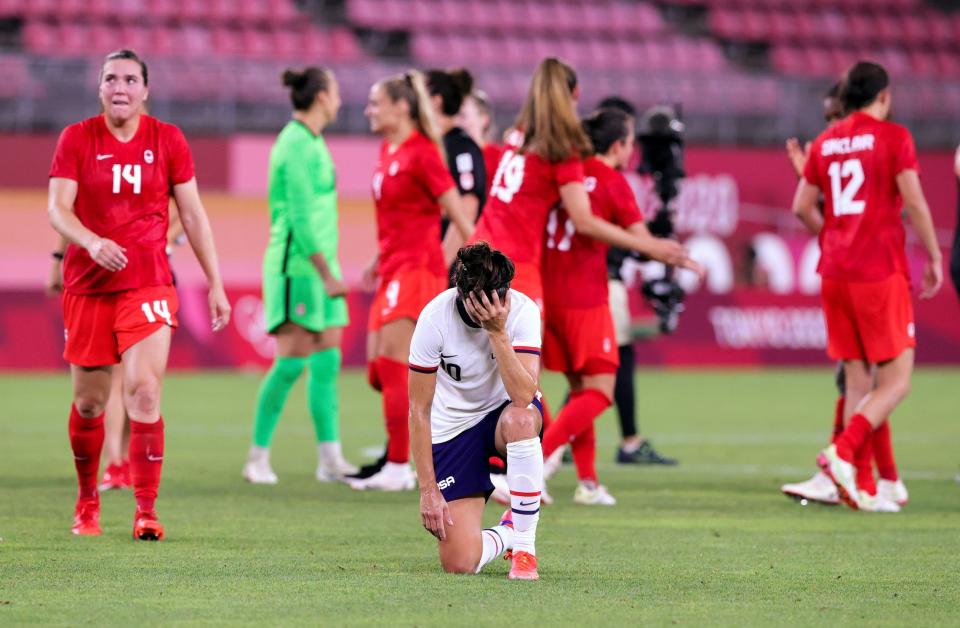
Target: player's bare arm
column 805, row 206
column 54, row 284
column 456, row 209
column 908, row 182
column 797, row 155
column 331, row 285
column 434, row 511
column 103, row 251
column 197, row 227
column 665, row 250
column 518, row 371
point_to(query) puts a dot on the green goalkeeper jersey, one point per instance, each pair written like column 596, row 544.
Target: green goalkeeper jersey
column 303, row 205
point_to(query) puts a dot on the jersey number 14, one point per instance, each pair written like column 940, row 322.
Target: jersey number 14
column 129, row 173
column 844, row 202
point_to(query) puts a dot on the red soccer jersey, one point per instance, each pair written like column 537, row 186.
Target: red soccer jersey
column 575, row 266
column 855, row 164
column 123, row 194
column 525, row 187
column 491, row 159
column 406, row 185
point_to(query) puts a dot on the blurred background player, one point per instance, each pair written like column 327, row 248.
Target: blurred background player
column 634, row 448
column 303, row 290
column 411, row 185
column 579, row 338
column 864, row 165
column 448, row 91
column 819, row 488
column 466, row 407
column 955, row 251
column 115, row 173
column 476, row 118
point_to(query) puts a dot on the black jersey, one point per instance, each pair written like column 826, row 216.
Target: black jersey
column 465, row 160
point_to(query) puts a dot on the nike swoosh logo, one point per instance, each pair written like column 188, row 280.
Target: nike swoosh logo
column 153, row 458
column 101, row 157
column 448, row 356
column 80, row 458
column 527, row 503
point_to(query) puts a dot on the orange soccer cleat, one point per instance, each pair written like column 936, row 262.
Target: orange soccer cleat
column 86, row 517
column 146, row 527
column 524, row 567
column 116, row 476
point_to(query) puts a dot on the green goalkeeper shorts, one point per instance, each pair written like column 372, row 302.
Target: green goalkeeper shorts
column 303, row 301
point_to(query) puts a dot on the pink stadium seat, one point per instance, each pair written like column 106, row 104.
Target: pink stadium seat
column 38, row 8
column 226, row 41
column 283, row 12
column 39, row 36
column 255, row 43
column 345, row 46
column 316, row 47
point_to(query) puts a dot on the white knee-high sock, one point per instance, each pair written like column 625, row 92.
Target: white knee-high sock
column 495, row 541
column 525, row 478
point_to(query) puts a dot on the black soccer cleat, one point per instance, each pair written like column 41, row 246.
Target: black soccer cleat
column 646, row 454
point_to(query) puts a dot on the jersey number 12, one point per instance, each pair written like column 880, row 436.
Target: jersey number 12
column 844, row 203
column 129, row 173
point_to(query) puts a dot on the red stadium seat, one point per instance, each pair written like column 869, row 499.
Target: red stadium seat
column 226, row 41
column 40, row 37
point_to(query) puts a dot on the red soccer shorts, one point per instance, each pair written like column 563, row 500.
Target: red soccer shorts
column 869, row 321
column 527, row 281
column 98, row 328
column 580, row 340
column 404, row 295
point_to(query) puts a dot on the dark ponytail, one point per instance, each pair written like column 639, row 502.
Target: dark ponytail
column 480, row 268
column 305, row 85
column 605, row 127
column 862, row 84
column 453, row 86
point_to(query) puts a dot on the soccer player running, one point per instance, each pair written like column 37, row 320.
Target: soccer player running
column 579, row 338
column 474, row 361
column 864, row 165
column 889, row 491
column 111, row 182
column 303, row 291
column 411, row 184
column 448, row 91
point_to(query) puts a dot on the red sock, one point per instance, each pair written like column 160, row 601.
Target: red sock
column 373, row 376
column 864, row 463
column 584, row 448
column 146, row 462
column 396, row 406
column 547, row 419
column 853, row 437
column 86, row 441
column 883, row 453
column 838, row 418
column 576, row 417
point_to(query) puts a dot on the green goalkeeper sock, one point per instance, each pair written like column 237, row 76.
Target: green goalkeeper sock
column 323, row 368
column 273, row 395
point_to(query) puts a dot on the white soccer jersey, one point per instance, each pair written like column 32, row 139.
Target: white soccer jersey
column 468, row 379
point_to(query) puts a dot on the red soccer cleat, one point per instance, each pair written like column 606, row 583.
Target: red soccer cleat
column 116, row 476
column 86, row 517
column 146, row 527
column 524, row 567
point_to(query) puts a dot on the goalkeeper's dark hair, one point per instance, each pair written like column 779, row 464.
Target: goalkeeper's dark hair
column 481, row 268
column 862, row 84
column 130, row 55
column 605, row 126
column 305, row 85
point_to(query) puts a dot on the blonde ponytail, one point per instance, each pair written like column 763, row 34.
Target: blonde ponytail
column 411, row 87
column 548, row 119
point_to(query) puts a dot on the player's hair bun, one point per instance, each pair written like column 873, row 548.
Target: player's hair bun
column 292, row 78
column 305, row 84
column 481, row 268
column 452, row 86
column 862, row 84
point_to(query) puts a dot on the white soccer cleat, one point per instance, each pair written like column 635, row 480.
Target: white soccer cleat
column 895, row 492
column 501, row 491
column 876, row 503
column 331, row 465
column 545, row 498
column 590, row 494
column 551, row 464
column 257, row 470
column 393, row 477
column 842, row 474
column 819, row 488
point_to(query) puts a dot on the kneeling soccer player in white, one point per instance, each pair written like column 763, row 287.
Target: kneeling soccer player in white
column 474, row 360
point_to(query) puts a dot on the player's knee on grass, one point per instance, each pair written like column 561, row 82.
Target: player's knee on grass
column 458, row 565
column 519, row 423
column 143, row 400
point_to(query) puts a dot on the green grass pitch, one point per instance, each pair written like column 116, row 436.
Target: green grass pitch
column 709, row 542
